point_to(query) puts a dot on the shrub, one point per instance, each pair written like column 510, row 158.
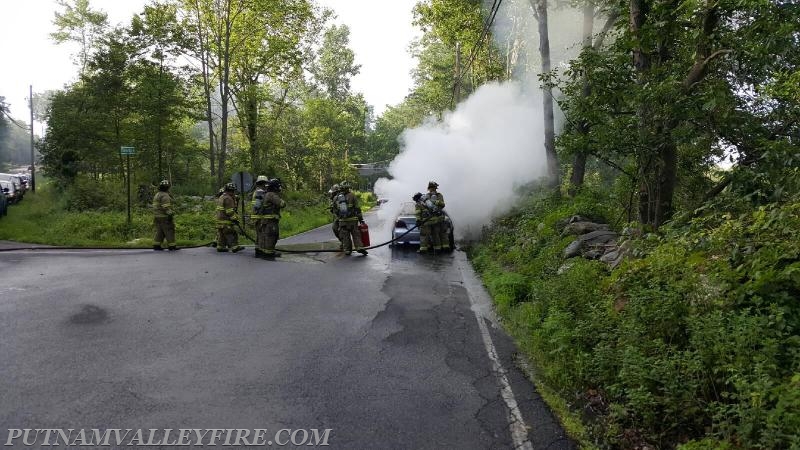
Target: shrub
column 696, row 342
column 87, row 193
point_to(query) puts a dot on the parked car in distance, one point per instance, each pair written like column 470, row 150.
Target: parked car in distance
column 10, row 191
column 3, row 202
column 26, row 180
column 16, row 180
column 407, row 219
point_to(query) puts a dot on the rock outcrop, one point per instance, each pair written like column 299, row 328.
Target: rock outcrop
column 596, row 241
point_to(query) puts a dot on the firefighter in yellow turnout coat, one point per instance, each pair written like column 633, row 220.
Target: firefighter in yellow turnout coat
column 430, row 212
column 227, row 220
column 333, row 192
column 348, row 211
column 163, row 218
column 267, row 205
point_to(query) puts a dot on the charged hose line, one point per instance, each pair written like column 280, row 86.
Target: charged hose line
column 283, row 250
column 211, row 244
column 15, row 249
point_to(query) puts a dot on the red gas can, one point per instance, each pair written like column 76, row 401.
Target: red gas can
column 363, row 228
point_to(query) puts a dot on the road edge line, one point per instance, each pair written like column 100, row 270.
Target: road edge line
column 482, row 309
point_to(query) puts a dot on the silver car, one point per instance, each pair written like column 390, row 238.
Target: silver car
column 16, row 180
column 10, row 191
column 407, row 219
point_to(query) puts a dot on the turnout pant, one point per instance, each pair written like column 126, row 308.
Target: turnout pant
column 430, row 235
column 350, row 235
column 164, row 229
column 267, row 235
column 227, row 237
column 424, row 236
column 335, row 228
column 444, row 235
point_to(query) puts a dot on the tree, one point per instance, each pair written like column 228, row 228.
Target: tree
column 336, row 64
column 14, row 138
column 540, row 11
column 240, row 45
column 461, row 23
column 158, row 40
column 80, row 24
column 265, row 67
column 588, row 48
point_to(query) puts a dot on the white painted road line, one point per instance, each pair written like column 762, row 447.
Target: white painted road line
column 482, row 308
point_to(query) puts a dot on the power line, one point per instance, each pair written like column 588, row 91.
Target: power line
column 13, row 120
column 486, row 27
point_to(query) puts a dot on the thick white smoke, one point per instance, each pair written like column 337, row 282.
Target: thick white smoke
column 478, row 154
column 493, row 141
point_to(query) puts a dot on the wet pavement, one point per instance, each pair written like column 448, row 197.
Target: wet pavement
column 385, row 350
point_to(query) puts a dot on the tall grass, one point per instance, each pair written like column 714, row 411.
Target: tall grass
column 42, row 218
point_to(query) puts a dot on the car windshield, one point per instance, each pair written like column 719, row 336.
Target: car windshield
column 407, row 209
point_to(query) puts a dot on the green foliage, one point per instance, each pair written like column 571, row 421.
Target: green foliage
column 97, row 217
column 696, row 342
column 366, row 200
column 336, row 62
column 705, row 80
column 15, row 144
column 79, row 23
column 87, row 194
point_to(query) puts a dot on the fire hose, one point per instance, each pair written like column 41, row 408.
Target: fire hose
column 211, row 244
column 284, row 250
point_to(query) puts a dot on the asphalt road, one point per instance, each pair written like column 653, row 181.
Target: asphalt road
column 384, row 350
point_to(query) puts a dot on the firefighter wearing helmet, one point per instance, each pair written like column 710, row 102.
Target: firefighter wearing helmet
column 267, row 205
column 430, row 213
column 163, row 218
column 332, row 193
column 227, row 220
column 348, row 212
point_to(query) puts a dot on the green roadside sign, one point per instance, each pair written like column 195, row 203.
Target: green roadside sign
column 127, row 151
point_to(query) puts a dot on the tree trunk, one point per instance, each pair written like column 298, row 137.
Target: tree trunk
column 252, row 132
column 540, row 7
column 160, row 117
column 579, row 163
column 547, row 98
column 659, row 170
column 646, row 163
column 204, row 57
column 224, row 67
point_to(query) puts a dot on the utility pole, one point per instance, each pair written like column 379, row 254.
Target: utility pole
column 457, row 94
column 33, row 167
column 128, row 158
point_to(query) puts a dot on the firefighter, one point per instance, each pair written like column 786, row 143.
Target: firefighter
column 430, row 214
column 267, row 205
column 227, row 220
column 438, row 200
column 332, row 193
column 163, row 218
column 348, row 212
column 423, row 215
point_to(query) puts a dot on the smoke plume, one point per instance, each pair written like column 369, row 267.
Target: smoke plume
column 492, row 143
column 478, row 154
